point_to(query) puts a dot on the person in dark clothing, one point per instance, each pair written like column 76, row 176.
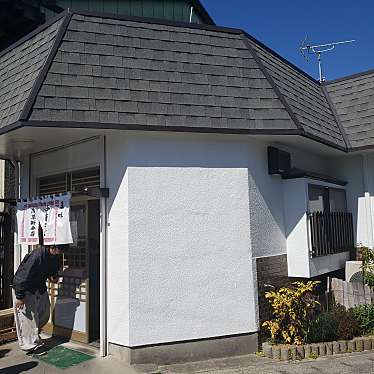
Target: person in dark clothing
column 31, row 300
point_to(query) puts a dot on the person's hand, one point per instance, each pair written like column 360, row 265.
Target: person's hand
column 53, row 279
column 20, row 304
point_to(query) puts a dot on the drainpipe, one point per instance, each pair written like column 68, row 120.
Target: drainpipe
column 103, row 255
column 368, row 209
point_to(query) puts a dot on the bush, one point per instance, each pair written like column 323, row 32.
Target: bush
column 292, row 308
column 348, row 325
column 324, row 328
column 364, row 314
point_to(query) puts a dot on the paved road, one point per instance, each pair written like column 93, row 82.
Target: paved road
column 13, row 361
column 358, row 363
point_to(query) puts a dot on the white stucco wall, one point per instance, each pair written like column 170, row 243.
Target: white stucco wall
column 265, row 204
column 188, row 215
column 188, row 247
column 350, row 169
column 117, row 239
column 295, row 196
column 299, row 260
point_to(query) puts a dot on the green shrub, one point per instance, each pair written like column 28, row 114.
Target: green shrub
column 365, row 317
column 324, row 328
column 348, row 325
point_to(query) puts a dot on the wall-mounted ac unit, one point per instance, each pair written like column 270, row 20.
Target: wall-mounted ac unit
column 278, row 161
column 353, row 271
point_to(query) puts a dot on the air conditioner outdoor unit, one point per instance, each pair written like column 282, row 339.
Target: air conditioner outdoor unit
column 353, row 271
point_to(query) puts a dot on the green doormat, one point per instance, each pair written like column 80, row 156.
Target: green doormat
column 63, row 358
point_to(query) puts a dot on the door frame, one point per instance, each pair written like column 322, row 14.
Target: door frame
column 27, row 182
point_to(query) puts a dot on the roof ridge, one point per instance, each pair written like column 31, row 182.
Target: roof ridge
column 26, row 111
column 272, row 83
column 293, row 66
column 193, row 26
column 157, row 21
column 336, row 116
column 289, row 105
column 33, row 33
column 352, row 76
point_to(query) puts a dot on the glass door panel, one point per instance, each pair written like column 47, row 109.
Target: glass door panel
column 69, row 297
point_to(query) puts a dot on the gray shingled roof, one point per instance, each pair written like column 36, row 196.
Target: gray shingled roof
column 304, row 96
column 353, row 98
column 19, row 69
column 129, row 73
column 132, row 73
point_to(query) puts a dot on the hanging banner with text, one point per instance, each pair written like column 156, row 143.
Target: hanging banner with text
column 51, row 213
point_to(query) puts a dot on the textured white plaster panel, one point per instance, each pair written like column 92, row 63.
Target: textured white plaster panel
column 190, row 269
column 265, row 205
column 189, row 239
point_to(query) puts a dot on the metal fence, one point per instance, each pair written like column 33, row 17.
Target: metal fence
column 330, row 233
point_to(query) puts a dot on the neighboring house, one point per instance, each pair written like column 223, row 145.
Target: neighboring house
column 19, row 17
column 176, row 120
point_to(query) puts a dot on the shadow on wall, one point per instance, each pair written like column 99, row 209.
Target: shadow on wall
column 191, row 181
column 350, row 169
column 204, row 151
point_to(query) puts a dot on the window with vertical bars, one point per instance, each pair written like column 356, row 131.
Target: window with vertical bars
column 74, row 181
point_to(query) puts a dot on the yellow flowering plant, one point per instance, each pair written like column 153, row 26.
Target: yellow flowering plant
column 367, row 265
column 292, row 309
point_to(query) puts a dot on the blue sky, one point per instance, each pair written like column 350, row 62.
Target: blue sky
column 282, row 26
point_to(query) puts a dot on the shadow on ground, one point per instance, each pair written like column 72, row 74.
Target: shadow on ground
column 4, row 352
column 20, row 368
column 53, row 342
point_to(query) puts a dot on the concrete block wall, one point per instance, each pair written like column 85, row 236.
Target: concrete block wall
column 270, row 271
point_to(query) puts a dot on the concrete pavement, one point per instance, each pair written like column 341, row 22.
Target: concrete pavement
column 13, row 361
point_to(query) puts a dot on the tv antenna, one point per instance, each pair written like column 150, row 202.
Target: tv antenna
column 308, row 49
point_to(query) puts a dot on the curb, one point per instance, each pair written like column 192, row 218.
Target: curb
column 287, row 352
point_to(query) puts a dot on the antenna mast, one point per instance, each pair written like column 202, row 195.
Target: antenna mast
column 318, row 50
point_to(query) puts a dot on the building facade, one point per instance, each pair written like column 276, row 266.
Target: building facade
column 177, row 122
